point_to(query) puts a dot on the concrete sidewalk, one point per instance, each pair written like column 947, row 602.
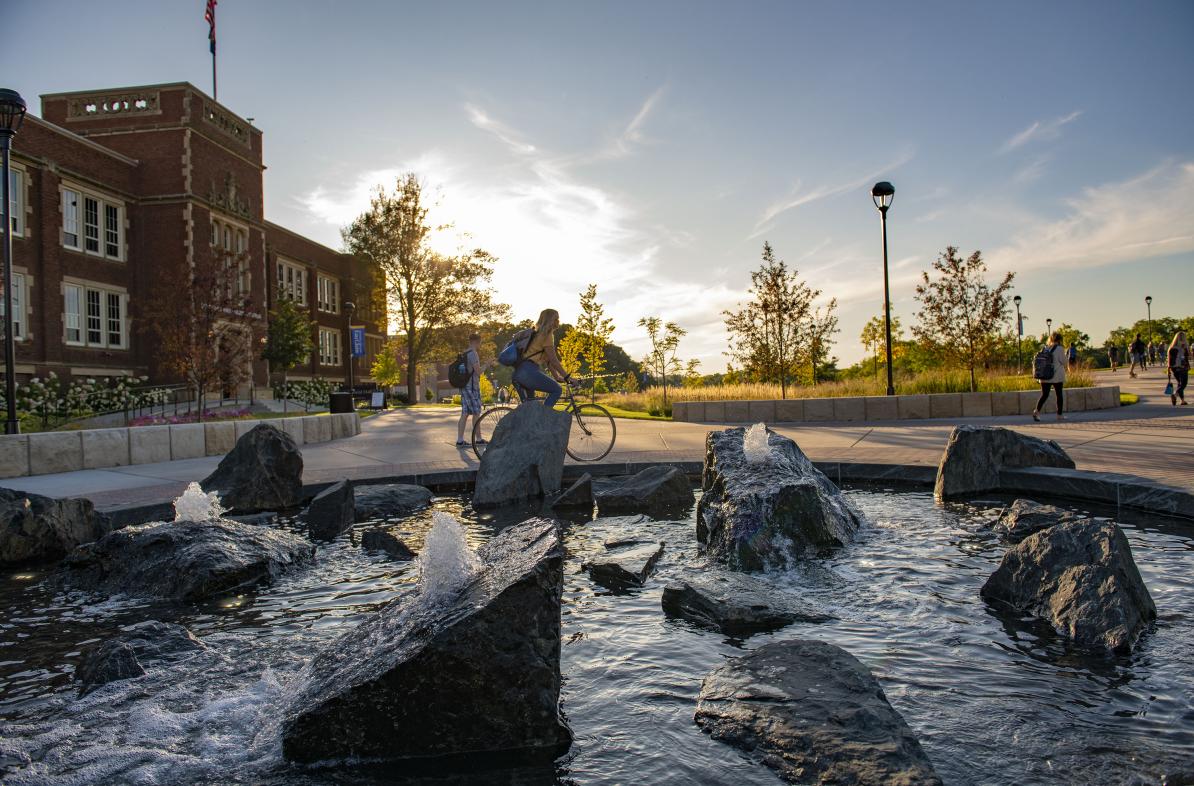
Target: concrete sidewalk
column 1151, row 439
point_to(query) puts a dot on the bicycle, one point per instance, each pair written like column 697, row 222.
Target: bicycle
column 590, row 438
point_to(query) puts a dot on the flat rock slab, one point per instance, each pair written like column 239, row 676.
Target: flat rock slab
column 1025, row 517
column 578, row 495
column 974, row 455
column 1081, row 578
column 380, row 540
column 813, row 713
column 525, row 457
column 654, row 488
column 185, row 560
column 390, row 500
column 460, row 676
column 736, row 605
column 625, row 564
column 264, row 471
column 36, row 528
column 331, row 512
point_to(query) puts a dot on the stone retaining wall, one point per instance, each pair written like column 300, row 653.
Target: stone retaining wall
column 101, row 448
column 863, row 408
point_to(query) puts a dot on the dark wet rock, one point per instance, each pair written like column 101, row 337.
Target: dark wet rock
column 464, row 675
column 736, row 605
column 525, row 457
column 380, row 540
column 1081, row 578
column 814, row 714
column 578, row 495
column 331, row 512
column 654, row 488
column 185, row 560
column 37, row 528
column 625, row 564
column 752, row 516
column 266, row 519
column 154, row 641
column 974, row 456
column 111, row 661
column 1025, row 517
column 263, row 471
column 389, row 500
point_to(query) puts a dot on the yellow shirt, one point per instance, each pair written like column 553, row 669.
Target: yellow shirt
column 537, row 347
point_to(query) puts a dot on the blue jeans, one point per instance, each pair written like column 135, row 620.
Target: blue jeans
column 528, row 378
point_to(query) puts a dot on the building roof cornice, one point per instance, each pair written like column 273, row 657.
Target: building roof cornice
column 91, row 144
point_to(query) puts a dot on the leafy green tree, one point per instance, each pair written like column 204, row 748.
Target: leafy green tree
column 822, row 324
column 661, row 359
column 387, row 368
column 595, row 330
column 874, row 338
column 288, row 341
column 960, row 314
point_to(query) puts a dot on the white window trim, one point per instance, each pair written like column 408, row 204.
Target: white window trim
column 322, row 303
column 21, row 289
column 104, row 290
column 244, row 277
column 103, row 202
column 300, row 273
column 19, row 195
column 333, row 359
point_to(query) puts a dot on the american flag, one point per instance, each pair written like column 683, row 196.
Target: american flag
column 209, row 16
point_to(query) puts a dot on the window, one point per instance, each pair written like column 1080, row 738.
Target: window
column 292, row 282
column 70, row 218
column 231, row 243
column 329, row 347
column 103, row 224
column 18, row 306
column 91, row 224
column 16, row 200
column 112, row 231
column 95, row 317
column 328, row 294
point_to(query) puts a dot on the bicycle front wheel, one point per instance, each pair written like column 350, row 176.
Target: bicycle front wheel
column 485, row 426
column 593, row 432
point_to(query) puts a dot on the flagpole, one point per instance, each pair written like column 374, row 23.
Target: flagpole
column 215, row 90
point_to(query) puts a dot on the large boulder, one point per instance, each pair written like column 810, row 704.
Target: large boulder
column 456, row 675
column 754, row 515
column 1025, row 517
column 122, row 657
column 624, row 564
column 389, row 500
column 37, row 528
column 974, row 456
column 525, row 457
column 654, row 488
column 734, row 604
column 263, row 471
column 814, row 714
column 185, row 560
column 1080, row 576
column 331, row 512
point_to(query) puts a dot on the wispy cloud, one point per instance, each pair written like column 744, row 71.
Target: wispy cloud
column 507, row 135
column 797, row 198
column 1032, row 171
column 1040, row 130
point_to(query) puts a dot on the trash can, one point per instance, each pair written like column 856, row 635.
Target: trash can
column 340, row 402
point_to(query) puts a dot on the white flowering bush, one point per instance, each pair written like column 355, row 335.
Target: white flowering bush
column 53, row 402
column 309, row 392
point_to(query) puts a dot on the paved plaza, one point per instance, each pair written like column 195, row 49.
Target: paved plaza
column 1152, row 439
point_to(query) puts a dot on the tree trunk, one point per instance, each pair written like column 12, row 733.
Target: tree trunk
column 412, row 371
column 285, row 392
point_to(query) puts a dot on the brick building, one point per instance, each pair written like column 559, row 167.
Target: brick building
column 117, row 193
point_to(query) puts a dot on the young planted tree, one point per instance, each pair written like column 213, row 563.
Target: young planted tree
column 429, row 291
column 770, row 333
column 960, row 313
column 874, row 338
column 288, row 341
column 661, row 359
column 822, row 324
column 387, row 368
column 595, row 330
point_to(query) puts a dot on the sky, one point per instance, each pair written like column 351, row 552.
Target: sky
column 652, row 147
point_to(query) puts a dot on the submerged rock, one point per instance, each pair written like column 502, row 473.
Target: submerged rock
column 1080, row 576
column 578, row 495
column 974, row 456
column 625, row 564
column 380, row 540
column 755, row 515
column 185, row 560
column 263, row 471
column 123, row 657
column 389, row 500
column 266, row 519
column 736, row 605
column 458, row 676
column 525, row 457
column 109, row 662
column 37, row 528
column 654, row 488
column 814, row 714
column 1025, row 517
column 331, row 512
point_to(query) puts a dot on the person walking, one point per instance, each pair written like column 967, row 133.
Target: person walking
column 1136, row 353
column 1113, row 355
column 1072, row 356
column 465, row 373
column 541, row 351
column 1180, row 359
column 1152, row 353
column 1049, row 369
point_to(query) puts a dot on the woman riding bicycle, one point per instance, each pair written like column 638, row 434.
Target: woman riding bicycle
column 541, row 351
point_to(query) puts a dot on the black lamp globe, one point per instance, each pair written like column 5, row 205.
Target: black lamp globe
column 12, row 112
column 882, row 194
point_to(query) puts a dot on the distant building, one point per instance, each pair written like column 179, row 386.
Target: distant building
column 116, row 193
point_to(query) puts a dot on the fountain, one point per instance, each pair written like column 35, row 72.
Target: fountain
column 755, row 445
column 447, row 562
column 195, row 504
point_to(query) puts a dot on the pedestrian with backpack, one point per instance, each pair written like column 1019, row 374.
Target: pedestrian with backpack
column 528, row 352
column 1136, row 352
column 1049, row 369
column 1180, row 358
column 465, row 374
column 1072, row 355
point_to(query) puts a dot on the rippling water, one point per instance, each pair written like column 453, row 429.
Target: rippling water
column 993, row 700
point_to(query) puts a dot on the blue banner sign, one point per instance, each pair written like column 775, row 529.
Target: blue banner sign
column 358, row 341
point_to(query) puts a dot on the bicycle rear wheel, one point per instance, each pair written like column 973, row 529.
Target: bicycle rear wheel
column 593, row 432
column 485, row 426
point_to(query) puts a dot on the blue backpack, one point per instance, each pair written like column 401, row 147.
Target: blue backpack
column 513, row 352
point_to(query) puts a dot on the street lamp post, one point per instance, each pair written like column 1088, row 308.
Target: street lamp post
column 882, row 194
column 351, row 308
column 1048, row 329
column 1019, row 335
column 12, row 114
column 1148, row 301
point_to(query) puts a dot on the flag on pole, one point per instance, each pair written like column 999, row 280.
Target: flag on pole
column 209, row 16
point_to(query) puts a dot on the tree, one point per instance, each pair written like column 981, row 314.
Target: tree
column 661, row 359
column 822, row 324
column 770, row 333
column 569, row 351
column 960, row 314
column 692, row 374
column 874, row 338
column 288, row 340
column 595, row 330
column 387, row 368
column 430, row 291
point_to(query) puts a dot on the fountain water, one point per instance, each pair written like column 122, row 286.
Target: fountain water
column 754, row 444
column 195, row 504
column 446, row 562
